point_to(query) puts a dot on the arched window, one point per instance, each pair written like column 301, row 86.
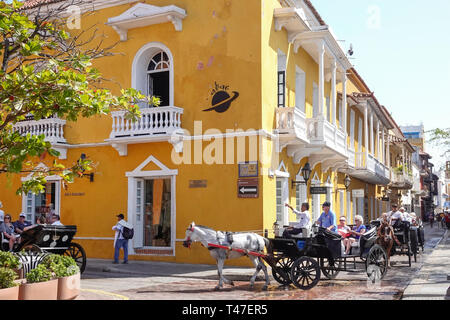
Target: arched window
column 153, row 73
column 158, row 77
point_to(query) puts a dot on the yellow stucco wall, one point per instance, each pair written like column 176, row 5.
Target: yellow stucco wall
column 232, row 43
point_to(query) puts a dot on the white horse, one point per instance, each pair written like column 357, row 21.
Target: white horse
column 245, row 241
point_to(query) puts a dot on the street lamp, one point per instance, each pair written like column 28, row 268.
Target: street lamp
column 347, row 182
column 306, row 174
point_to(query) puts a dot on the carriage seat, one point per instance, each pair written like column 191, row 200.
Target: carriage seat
column 306, row 232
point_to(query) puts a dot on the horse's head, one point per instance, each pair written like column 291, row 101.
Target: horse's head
column 189, row 232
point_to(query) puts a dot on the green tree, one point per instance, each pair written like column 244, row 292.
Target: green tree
column 441, row 137
column 44, row 73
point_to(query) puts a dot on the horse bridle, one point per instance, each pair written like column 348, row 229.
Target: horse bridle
column 188, row 241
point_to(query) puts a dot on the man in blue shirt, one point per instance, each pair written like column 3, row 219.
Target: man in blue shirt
column 327, row 219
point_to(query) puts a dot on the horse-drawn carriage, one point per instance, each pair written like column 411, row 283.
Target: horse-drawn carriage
column 407, row 240
column 300, row 260
column 51, row 239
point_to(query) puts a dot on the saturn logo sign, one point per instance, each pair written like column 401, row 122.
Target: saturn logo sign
column 221, row 100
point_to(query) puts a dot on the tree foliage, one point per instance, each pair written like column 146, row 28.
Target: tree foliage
column 45, row 72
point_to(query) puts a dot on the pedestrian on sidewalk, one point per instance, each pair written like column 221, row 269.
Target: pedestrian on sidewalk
column 119, row 240
column 431, row 218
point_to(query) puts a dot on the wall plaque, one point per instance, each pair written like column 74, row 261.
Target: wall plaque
column 248, row 169
column 195, row 184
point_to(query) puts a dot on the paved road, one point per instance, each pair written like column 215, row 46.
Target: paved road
column 165, row 281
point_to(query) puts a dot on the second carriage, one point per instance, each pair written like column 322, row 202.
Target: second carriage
column 301, row 260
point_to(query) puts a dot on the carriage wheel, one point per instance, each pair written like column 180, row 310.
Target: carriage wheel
column 376, row 260
column 281, row 271
column 77, row 252
column 305, row 273
column 330, row 267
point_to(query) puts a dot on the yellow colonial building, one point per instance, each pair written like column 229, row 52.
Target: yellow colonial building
column 251, row 91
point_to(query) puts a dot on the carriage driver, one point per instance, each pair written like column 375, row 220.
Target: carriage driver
column 302, row 220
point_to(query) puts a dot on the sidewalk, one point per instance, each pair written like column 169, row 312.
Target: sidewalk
column 432, row 282
column 165, row 269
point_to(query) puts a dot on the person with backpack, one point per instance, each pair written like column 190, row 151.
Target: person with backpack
column 124, row 232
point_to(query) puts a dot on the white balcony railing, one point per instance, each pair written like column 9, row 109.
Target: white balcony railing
column 291, row 120
column 323, row 132
column 154, row 121
column 52, row 129
column 400, row 178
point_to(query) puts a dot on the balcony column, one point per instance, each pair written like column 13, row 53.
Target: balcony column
column 371, row 134
column 383, row 147
column 378, row 140
column 403, row 160
column 366, row 131
column 388, row 150
column 344, row 101
column 333, row 90
column 321, row 46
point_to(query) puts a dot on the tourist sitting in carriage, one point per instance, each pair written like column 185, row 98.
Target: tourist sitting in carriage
column 302, row 221
column 357, row 231
column 327, row 219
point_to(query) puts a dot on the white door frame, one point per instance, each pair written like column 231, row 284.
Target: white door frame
column 139, row 175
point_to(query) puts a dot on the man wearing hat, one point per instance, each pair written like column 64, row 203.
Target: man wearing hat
column 21, row 224
column 327, row 219
column 119, row 240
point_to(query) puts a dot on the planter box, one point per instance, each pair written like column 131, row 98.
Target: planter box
column 69, row 287
column 39, row 291
column 9, row 293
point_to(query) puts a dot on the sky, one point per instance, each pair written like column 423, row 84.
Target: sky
column 401, row 50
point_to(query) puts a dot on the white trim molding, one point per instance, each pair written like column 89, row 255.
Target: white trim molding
column 142, row 15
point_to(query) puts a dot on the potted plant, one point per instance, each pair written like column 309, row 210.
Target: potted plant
column 40, row 285
column 11, row 261
column 9, row 289
column 68, row 274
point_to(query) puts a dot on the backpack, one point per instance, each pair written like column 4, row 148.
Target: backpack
column 127, row 233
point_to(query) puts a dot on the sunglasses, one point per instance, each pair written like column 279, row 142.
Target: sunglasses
column 8, row 218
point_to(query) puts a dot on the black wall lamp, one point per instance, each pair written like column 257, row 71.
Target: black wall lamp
column 86, row 175
column 306, row 174
column 347, row 182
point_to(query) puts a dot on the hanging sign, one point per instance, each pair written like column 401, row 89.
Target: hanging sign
column 318, row 190
column 358, row 193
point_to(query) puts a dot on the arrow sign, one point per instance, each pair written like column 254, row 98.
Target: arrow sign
column 248, row 188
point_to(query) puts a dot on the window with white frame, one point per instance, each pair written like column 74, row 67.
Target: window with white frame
column 153, row 73
column 158, row 77
column 281, row 80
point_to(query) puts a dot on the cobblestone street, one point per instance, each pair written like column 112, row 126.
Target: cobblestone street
column 200, row 285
